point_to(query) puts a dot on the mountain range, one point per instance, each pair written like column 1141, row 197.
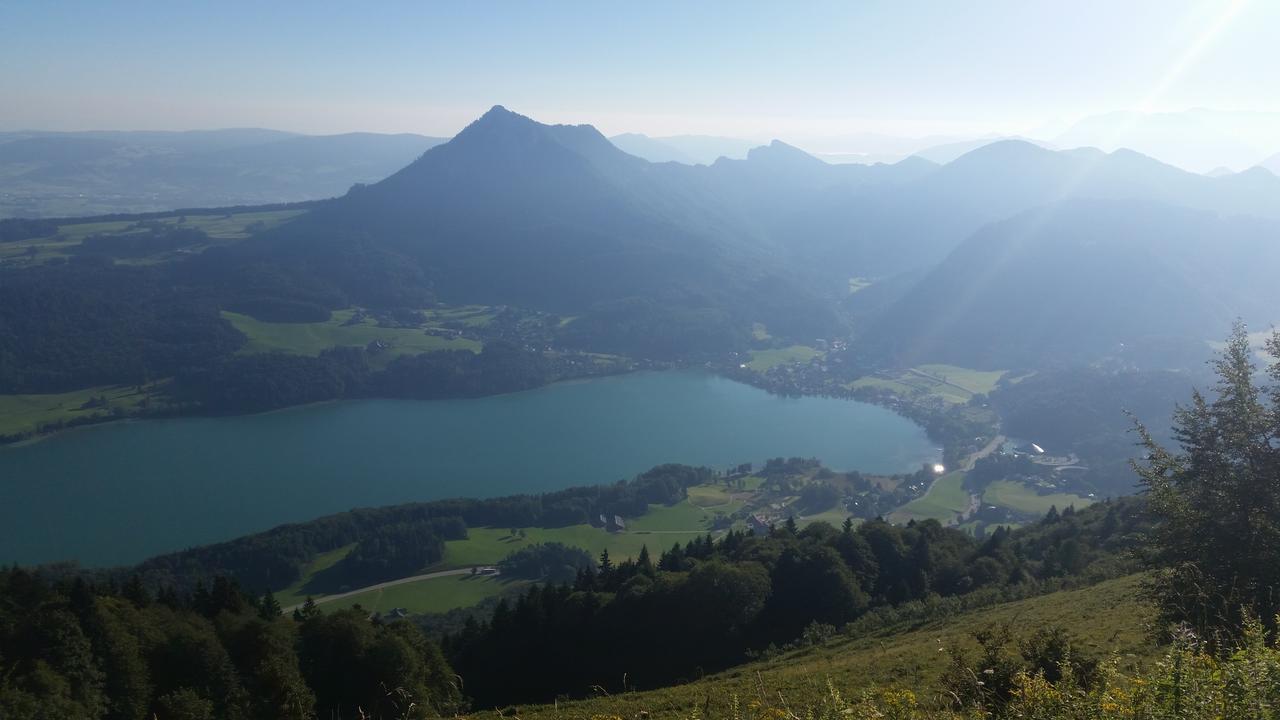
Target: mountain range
column 978, row 261
column 558, row 217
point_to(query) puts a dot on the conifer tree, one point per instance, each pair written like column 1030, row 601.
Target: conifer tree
column 1216, row 500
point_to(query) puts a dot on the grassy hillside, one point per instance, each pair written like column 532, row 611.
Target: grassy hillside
column 1105, row 619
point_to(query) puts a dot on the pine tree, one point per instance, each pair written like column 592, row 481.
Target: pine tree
column 269, row 607
column 308, row 611
column 643, row 563
column 1216, row 502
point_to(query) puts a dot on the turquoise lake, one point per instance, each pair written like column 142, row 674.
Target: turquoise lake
column 119, row 493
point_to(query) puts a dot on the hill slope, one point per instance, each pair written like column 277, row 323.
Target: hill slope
column 1082, row 279
column 1104, row 618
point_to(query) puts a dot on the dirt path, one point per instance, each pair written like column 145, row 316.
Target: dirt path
column 387, row 584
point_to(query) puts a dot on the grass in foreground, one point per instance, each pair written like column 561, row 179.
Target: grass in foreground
column 1024, row 499
column 1103, row 619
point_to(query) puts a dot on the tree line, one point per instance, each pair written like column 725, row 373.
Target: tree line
column 102, row 652
column 709, row 604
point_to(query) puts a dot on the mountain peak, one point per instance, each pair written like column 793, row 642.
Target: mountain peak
column 780, row 152
column 499, row 116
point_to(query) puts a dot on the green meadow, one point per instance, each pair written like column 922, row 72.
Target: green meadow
column 26, row 413
column 658, row 529
column 763, row 360
column 944, row 500
column 312, row 338
column 221, row 229
column 432, row 595
column 954, row 384
column 1024, row 499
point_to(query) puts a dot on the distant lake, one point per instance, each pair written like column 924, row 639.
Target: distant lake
column 122, row 492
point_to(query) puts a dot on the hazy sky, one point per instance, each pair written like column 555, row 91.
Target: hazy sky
column 738, row 68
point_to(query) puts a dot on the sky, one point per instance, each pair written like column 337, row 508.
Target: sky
column 821, row 70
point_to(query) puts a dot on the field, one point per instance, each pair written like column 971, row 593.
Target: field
column 951, row 383
column 296, row 593
column 25, row 413
column 658, row 529
column 764, row 360
column 222, row 230
column 1103, row 619
column 429, row 596
column 1017, row 496
column 311, row 338
column 945, row 499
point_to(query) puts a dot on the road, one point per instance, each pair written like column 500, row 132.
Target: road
column 975, row 501
column 991, row 447
column 387, row 584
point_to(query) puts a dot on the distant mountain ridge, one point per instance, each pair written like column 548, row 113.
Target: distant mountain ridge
column 44, row 174
column 686, row 149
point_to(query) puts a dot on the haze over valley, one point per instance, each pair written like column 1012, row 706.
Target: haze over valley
column 690, row 361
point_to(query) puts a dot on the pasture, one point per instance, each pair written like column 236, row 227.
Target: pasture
column 432, row 595
column 26, row 413
column 1018, row 496
column 765, row 360
column 945, row 499
column 312, row 338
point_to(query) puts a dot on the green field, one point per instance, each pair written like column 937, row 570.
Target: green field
column 763, row 360
column 659, row 528
column 311, row 338
column 711, row 496
column 952, row 383
column 25, row 413
column 429, row 596
column 683, row 516
column 222, row 230
column 1024, row 499
column 486, row 546
column 1105, row 619
column 975, row 382
column 296, row 593
column 944, row 500
column 834, row 517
